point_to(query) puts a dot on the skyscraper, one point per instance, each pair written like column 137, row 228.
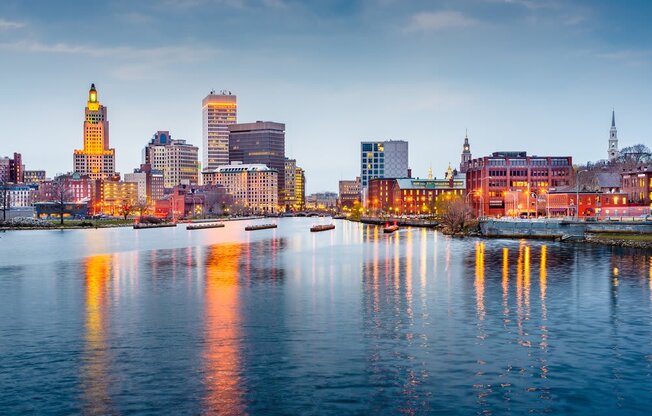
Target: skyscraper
column 613, row 153
column 300, row 189
column 96, row 159
column 262, row 142
column 290, row 182
column 218, row 112
column 388, row 159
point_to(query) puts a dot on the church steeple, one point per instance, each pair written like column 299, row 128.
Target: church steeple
column 466, row 154
column 612, row 152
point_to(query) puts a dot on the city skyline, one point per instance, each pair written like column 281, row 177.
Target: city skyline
column 547, row 83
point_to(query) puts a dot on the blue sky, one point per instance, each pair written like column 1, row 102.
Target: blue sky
column 540, row 76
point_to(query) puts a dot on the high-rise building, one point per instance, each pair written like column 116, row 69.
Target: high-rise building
column 178, row 160
column 290, row 182
column 254, row 187
column 218, row 112
column 262, row 142
column 300, row 189
column 613, row 153
column 96, row 159
column 388, row 159
column 466, row 154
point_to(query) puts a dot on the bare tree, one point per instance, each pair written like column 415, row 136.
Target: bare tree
column 142, row 208
column 60, row 193
column 453, row 213
column 633, row 156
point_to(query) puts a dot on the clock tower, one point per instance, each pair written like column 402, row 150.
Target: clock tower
column 466, row 154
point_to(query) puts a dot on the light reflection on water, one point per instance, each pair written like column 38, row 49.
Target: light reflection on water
column 348, row 321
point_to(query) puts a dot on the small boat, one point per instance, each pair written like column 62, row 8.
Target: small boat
column 201, row 226
column 260, row 227
column 339, row 217
column 322, row 227
column 144, row 226
column 390, row 229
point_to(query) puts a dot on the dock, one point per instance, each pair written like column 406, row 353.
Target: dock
column 204, row 225
column 145, row 226
column 260, row 227
column 322, row 227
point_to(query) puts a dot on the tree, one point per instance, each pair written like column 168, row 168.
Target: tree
column 126, row 208
column 454, row 214
column 632, row 156
column 141, row 208
column 60, row 193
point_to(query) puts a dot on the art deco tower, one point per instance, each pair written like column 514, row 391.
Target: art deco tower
column 96, row 160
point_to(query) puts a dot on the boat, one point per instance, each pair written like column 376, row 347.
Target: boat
column 390, row 229
column 339, row 217
column 259, row 227
column 201, row 226
column 144, row 225
column 322, row 227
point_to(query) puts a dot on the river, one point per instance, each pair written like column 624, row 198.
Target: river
column 348, row 321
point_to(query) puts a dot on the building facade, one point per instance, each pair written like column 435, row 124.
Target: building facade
column 176, row 159
column 253, row 187
column 408, row 196
column 71, row 187
column 637, row 184
column 322, row 201
column 262, row 142
column 218, row 112
column 34, row 176
column 117, row 197
column 350, row 193
column 490, row 180
column 290, row 171
column 12, row 169
column 300, row 189
column 388, row 159
column 591, row 204
column 96, row 159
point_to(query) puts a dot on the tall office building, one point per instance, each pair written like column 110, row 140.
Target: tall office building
column 218, row 112
column 96, row 159
column 388, row 159
column 290, row 182
column 300, row 189
column 262, row 142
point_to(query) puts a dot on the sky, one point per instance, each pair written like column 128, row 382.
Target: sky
column 540, row 76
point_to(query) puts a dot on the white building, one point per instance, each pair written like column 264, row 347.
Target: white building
column 253, row 187
column 18, row 196
column 178, row 160
column 218, row 112
column 140, row 178
column 388, row 159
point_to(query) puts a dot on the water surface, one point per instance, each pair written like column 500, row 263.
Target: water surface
column 349, row 321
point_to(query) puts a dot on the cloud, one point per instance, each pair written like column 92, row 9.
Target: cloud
column 436, row 21
column 9, row 24
column 626, row 55
column 178, row 53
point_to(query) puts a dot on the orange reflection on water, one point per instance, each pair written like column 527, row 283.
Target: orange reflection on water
column 505, row 282
column 222, row 359
column 526, row 280
column 479, row 280
column 97, row 270
column 543, row 281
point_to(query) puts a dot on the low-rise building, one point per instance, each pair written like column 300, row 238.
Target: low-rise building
column 412, row 196
column 322, row 201
column 117, row 197
column 34, row 176
column 491, row 179
column 637, row 184
column 591, row 204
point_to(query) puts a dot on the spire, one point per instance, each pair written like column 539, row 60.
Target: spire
column 613, row 118
column 430, row 172
column 92, row 94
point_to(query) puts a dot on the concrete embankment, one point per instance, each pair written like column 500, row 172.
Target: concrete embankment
column 629, row 234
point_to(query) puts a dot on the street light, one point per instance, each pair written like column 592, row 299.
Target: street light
column 577, row 193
